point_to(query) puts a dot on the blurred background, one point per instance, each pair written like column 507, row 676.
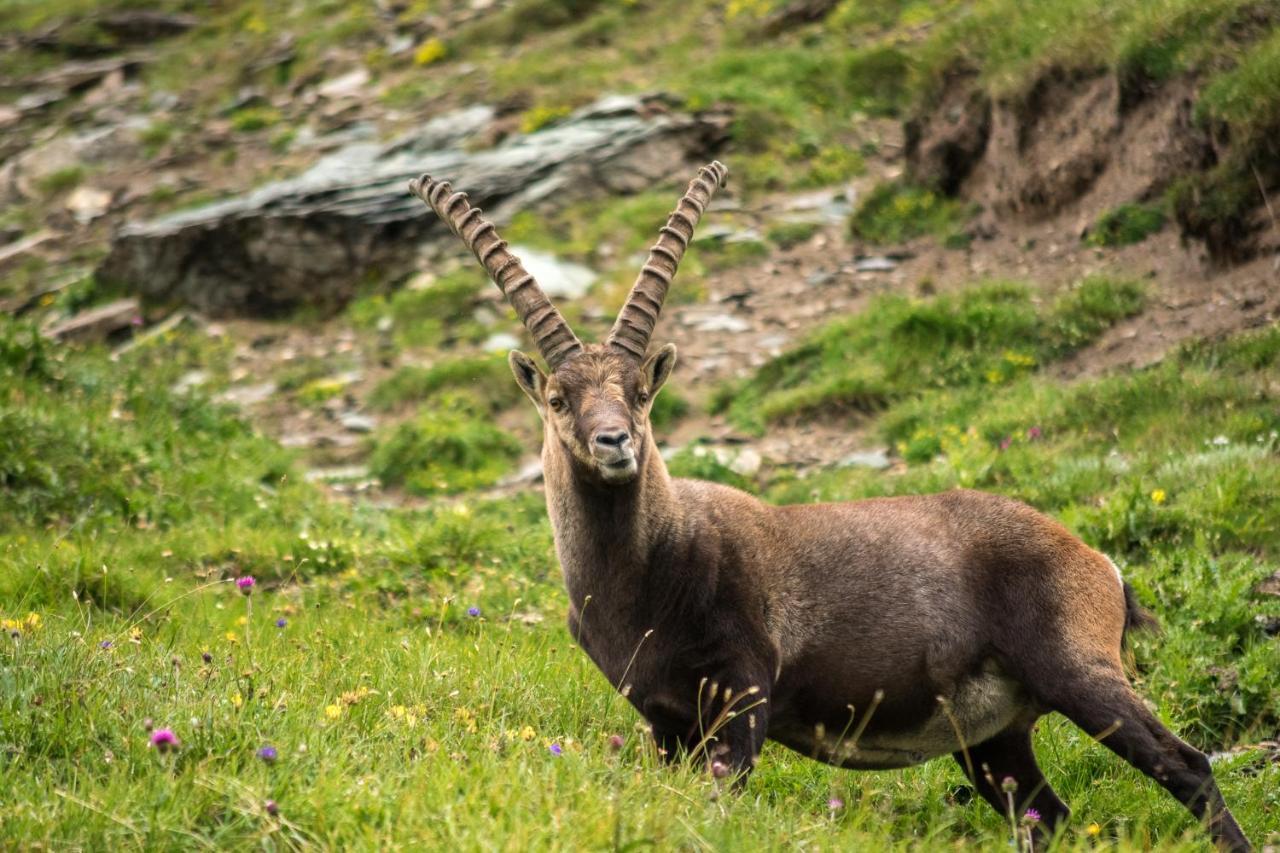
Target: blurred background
column 1029, row 247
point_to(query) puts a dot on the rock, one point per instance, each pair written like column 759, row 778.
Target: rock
column 943, row 147
column 560, row 279
column 66, row 152
column 98, row 323
column 728, row 234
column 829, row 207
column 500, row 342
column 530, row 472
column 88, row 203
column 356, row 422
column 348, row 85
column 189, row 380
column 248, row 395
column 721, row 323
column 338, row 473
column 747, row 463
column 38, row 100
column 26, row 244
column 875, row 264
column 138, row 26
column 1270, row 586
column 795, row 14
column 74, row 76
column 877, row 458
column 310, row 240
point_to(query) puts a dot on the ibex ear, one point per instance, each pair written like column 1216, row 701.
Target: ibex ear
column 529, row 376
column 659, row 367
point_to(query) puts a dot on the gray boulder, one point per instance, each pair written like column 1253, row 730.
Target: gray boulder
column 310, row 240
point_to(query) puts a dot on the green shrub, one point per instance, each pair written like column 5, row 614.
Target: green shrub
column 790, row 234
column 894, row 213
column 486, row 378
column 436, row 314
column 1126, row 225
column 697, row 463
column 448, row 448
column 251, row 119
column 898, row 347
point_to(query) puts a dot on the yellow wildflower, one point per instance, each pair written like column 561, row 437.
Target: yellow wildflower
column 1094, row 830
column 242, row 621
column 237, row 701
column 527, row 733
column 333, row 712
column 431, row 50
column 1158, row 496
column 135, row 635
column 231, row 637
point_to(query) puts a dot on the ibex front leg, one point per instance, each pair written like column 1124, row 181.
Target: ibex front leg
column 733, row 713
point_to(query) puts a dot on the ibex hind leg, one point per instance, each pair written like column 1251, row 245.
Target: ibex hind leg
column 1009, row 756
column 1103, row 704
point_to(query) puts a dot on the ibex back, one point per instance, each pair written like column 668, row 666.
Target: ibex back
column 873, row 634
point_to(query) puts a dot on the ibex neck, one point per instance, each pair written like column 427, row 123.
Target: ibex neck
column 607, row 534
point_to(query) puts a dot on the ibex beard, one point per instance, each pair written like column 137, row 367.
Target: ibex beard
column 871, row 634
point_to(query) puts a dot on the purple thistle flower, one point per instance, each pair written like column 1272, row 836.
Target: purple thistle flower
column 556, row 749
column 1032, row 816
column 269, row 754
column 105, row 644
column 245, row 584
column 1008, row 440
column 473, row 612
column 164, row 740
column 281, row 622
column 1033, row 433
column 206, row 657
column 616, row 742
column 835, row 804
column 271, row 807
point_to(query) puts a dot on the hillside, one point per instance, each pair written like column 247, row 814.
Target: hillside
column 1029, row 248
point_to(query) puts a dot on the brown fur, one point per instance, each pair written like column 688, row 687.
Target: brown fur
column 878, row 633
column 926, row 625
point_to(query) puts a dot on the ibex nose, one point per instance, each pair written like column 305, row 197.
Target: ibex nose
column 614, row 439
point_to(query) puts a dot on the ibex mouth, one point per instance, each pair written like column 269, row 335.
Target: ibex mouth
column 619, row 470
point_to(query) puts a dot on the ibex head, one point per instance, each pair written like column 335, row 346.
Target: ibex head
column 596, row 398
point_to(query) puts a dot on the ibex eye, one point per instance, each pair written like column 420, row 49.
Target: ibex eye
column 556, row 403
column 644, row 396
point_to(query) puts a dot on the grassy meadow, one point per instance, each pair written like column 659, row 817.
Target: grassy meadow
column 411, row 670
column 399, row 675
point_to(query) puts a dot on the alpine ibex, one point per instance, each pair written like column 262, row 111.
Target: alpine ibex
column 872, row 634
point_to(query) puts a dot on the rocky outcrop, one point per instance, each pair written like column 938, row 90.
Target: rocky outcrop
column 310, row 240
column 1072, row 142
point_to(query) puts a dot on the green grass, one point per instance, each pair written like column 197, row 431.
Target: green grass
column 440, row 313
column 396, row 715
column 900, row 347
column 451, row 446
column 787, row 235
column 487, row 378
column 894, row 213
column 61, row 180
column 1126, row 225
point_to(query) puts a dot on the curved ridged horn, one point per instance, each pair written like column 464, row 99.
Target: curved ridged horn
column 552, row 335
column 634, row 326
